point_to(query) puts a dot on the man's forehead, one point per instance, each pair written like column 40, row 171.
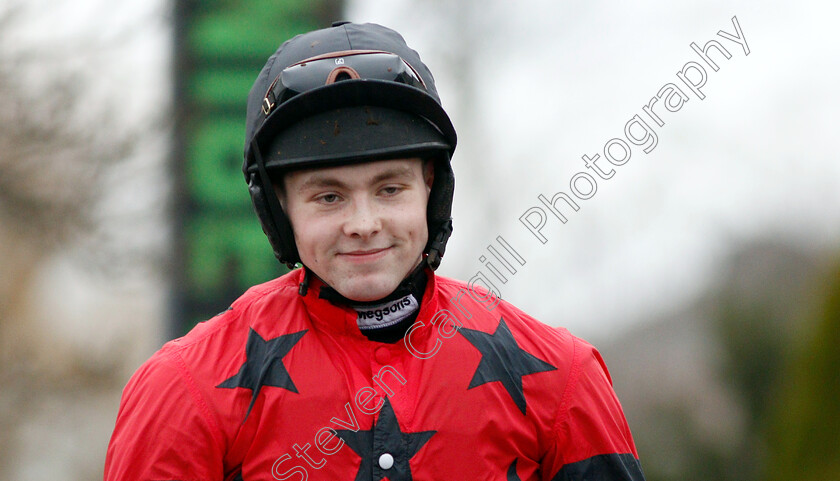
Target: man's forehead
column 367, row 171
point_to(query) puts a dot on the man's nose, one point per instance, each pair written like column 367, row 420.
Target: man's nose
column 364, row 219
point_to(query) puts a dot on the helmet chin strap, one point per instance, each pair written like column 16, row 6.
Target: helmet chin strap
column 303, row 287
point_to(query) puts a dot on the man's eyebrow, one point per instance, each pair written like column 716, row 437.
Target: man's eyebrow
column 319, row 181
column 394, row 172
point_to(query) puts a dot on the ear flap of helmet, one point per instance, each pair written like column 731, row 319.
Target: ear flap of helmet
column 439, row 210
column 275, row 223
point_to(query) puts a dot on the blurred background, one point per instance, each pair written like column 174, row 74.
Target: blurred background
column 706, row 270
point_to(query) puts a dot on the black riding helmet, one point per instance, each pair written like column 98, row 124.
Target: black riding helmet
column 341, row 95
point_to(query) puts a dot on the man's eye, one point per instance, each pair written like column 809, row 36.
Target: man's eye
column 390, row 190
column 328, row 198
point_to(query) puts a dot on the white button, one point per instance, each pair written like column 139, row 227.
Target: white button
column 386, row 461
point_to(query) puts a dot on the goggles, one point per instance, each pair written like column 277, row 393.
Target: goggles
column 337, row 66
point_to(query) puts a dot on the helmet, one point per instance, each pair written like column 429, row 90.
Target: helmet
column 341, row 95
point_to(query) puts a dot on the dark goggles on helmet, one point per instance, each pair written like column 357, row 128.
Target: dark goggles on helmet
column 337, row 66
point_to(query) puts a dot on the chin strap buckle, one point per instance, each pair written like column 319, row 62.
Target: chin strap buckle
column 438, row 245
column 303, row 287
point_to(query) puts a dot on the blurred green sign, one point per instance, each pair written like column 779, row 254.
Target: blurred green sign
column 221, row 45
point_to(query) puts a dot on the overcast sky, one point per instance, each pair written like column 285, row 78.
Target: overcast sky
column 556, row 80
column 547, row 82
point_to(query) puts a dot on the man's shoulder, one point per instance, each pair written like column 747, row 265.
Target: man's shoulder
column 283, row 288
column 262, row 308
column 491, row 325
column 192, row 365
column 480, row 309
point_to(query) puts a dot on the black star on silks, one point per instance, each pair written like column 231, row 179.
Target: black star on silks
column 385, row 437
column 511, row 474
column 264, row 365
column 504, row 361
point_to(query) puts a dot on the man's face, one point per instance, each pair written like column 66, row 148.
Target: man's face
column 360, row 228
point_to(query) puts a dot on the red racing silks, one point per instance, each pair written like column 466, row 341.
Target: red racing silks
column 283, row 386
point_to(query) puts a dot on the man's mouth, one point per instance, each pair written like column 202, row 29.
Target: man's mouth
column 365, row 254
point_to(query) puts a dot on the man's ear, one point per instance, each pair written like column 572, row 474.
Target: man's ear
column 429, row 173
column 279, row 185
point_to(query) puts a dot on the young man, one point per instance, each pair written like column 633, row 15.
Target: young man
column 363, row 364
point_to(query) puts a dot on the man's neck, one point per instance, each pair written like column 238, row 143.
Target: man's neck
column 386, row 319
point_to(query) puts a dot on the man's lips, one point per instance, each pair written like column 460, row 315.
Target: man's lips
column 364, row 253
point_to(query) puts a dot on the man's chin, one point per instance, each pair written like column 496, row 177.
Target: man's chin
column 365, row 288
